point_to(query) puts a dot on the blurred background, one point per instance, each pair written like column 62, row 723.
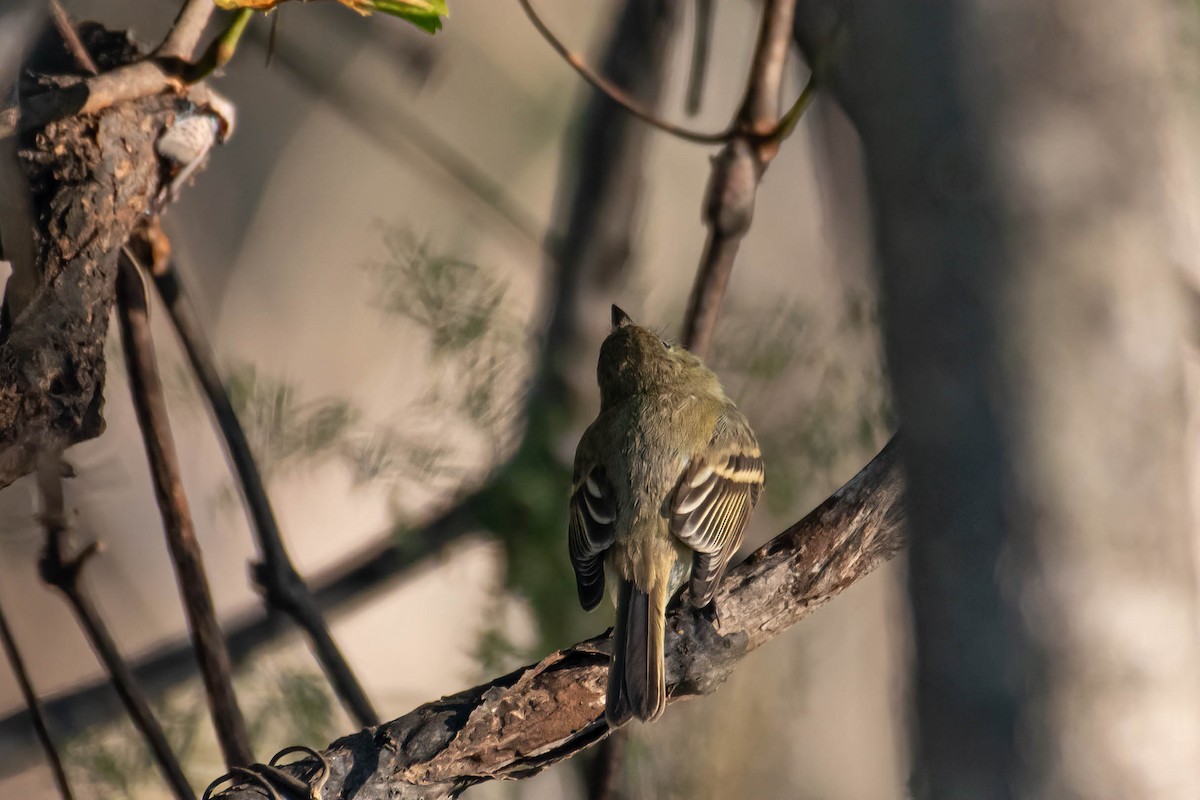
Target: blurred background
column 368, row 254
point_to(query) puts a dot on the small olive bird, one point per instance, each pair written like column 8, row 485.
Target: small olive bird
column 665, row 480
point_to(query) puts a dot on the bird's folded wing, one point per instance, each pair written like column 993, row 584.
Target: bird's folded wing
column 713, row 500
column 591, row 530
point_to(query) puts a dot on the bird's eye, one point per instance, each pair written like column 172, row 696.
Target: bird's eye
column 666, row 345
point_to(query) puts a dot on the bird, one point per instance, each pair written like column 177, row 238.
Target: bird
column 664, row 482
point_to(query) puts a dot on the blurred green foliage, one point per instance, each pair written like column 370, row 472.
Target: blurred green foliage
column 291, row 706
column 475, row 356
column 283, row 429
column 115, row 762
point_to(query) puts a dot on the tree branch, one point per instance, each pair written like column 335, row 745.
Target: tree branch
column 185, row 33
column 519, row 724
column 146, row 388
column 66, row 29
column 35, row 708
column 275, row 575
column 737, row 171
column 92, row 179
column 62, row 572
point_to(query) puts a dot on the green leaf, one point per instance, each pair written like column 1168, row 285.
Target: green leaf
column 425, row 14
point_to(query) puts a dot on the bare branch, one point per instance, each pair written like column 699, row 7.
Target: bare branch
column 616, row 93
column 35, row 708
column 66, row 29
column 146, row 388
column 276, row 576
column 737, row 170
column 187, row 29
column 62, row 572
column 519, row 724
column 129, row 82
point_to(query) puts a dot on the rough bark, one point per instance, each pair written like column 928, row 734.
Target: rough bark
column 1015, row 155
column 521, row 723
column 92, row 178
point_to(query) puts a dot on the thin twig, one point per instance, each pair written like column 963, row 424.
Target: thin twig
column 60, row 570
column 616, row 93
column 150, row 76
column 35, row 708
column 276, row 576
column 519, row 724
column 146, row 388
column 70, row 38
column 186, row 30
column 737, row 170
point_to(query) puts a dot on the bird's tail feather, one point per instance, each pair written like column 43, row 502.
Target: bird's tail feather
column 636, row 677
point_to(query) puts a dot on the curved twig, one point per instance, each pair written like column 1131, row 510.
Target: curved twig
column 616, row 93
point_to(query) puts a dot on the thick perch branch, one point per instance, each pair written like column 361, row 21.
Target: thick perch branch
column 521, row 723
column 93, row 177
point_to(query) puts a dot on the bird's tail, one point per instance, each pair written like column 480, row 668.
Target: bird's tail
column 636, row 679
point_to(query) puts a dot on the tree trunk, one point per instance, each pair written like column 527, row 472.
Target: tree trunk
column 1016, row 160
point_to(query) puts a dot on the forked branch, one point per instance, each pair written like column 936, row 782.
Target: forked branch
column 61, row 570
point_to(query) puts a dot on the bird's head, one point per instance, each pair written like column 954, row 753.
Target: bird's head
column 635, row 360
